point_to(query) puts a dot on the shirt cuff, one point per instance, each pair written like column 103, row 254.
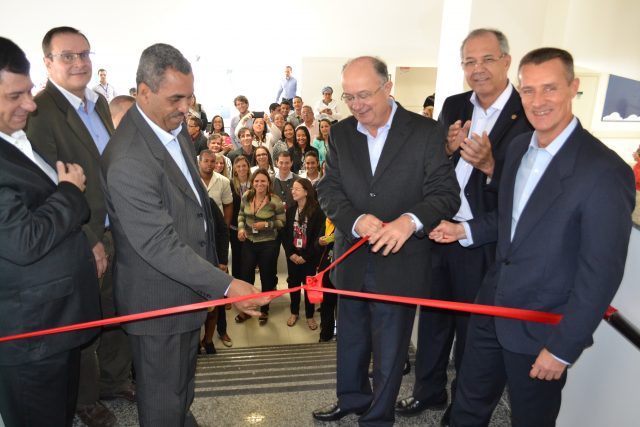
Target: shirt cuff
column 467, row 230
column 353, row 229
column 416, row 221
column 560, row 360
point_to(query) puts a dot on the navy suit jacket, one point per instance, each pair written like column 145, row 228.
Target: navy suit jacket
column 413, row 175
column 569, row 249
column 47, row 270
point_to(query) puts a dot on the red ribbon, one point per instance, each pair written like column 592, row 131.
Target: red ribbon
column 315, row 292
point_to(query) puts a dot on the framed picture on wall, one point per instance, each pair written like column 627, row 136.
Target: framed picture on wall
column 622, row 101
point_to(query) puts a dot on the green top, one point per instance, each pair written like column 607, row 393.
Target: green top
column 272, row 212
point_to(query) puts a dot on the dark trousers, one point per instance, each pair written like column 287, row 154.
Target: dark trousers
column 297, row 275
column 456, row 275
column 329, row 301
column 41, row 393
column 165, row 377
column 105, row 364
column 265, row 256
column 236, row 253
column 372, row 328
column 487, row 368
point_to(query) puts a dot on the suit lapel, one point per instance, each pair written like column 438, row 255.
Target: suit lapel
column 394, row 144
column 549, row 188
column 360, row 151
column 161, row 154
column 16, row 156
column 508, row 116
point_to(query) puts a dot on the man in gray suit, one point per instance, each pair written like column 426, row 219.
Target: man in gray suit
column 163, row 229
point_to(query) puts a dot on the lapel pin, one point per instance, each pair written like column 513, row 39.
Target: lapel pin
column 514, row 116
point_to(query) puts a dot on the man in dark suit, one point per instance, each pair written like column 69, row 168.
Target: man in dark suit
column 386, row 166
column 73, row 124
column 164, row 234
column 46, row 267
column 481, row 124
column 562, row 228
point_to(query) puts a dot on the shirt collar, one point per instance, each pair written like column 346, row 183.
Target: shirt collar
column 13, row 137
column 386, row 126
column 290, row 176
column 164, row 136
column 559, row 141
column 76, row 102
column 498, row 104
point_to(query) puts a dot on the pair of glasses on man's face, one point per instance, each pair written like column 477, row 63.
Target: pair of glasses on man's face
column 360, row 96
column 71, row 57
column 487, row 61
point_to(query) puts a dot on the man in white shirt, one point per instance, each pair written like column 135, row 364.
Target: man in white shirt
column 104, row 88
column 309, row 121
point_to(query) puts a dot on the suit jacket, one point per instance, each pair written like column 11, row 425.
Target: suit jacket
column 568, row 252
column 164, row 257
column 413, row 175
column 58, row 132
column 47, row 271
column 511, row 123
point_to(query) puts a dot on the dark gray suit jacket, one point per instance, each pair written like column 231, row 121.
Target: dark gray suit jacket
column 413, row 175
column 57, row 131
column 47, row 271
column 164, row 257
column 569, row 249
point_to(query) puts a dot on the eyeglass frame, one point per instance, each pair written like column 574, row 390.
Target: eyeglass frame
column 361, row 96
column 486, row 61
column 84, row 56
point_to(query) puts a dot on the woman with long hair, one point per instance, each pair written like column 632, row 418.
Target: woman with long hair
column 220, row 165
column 261, row 216
column 303, row 227
column 321, row 143
column 217, row 126
column 263, row 160
column 240, row 183
column 303, row 144
column 311, row 170
column 287, row 141
column 259, row 130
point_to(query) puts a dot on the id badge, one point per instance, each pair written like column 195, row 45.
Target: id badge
column 299, row 243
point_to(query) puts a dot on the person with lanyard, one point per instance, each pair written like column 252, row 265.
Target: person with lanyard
column 239, row 185
column 260, row 218
column 304, row 225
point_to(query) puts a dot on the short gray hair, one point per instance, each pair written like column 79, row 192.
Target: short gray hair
column 379, row 66
column 155, row 60
column 502, row 39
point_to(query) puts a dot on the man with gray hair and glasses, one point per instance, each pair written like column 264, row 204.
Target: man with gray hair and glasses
column 481, row 123
column 163, row 227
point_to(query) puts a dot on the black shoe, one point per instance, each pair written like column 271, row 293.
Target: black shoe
column 208, row 347
column 333, row 413
column 444, row 422
column 407, row 367
column 411, row 406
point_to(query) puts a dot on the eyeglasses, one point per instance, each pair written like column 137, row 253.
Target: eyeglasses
column 362, row 96
column 70, row 57
column 487, row 61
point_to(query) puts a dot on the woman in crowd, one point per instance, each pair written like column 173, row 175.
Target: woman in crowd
column 220, row 165
column 263, row 160
column 215, row 144
column 287, row 141
column 312, row 167
column 239, row 185
column 246, row 148
column 303, row 227
column 261, row 216
column 321, row 143
column 217, row 126
column 303, row 144
column 259, row 130
column 216, row 315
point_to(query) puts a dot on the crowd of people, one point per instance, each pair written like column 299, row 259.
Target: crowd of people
column 132, row 205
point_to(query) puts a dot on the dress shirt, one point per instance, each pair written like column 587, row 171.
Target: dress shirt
column 481, row 121
column 170, row 141
column 107, row 91
column 21, row 142
column 87, row 111
column 333, row 105
column 376, row 144
column 288, row 88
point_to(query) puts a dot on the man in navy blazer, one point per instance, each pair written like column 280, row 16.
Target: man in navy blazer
column 562, row 228
column 47, row 271
column 481, row 124
column 385, row 166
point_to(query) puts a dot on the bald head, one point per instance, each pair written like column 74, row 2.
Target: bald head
column 119, row 107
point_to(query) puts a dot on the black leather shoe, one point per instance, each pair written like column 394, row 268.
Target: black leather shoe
column 333, row 413
column 411, row 406
column 444, row 422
